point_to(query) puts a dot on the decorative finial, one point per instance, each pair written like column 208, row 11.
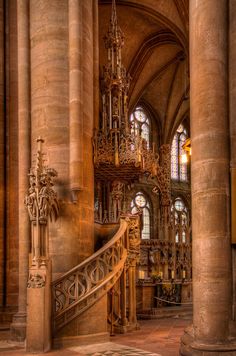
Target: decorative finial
column 114, row 38
column 113, row 15
column 39, row 163
column 40, row 141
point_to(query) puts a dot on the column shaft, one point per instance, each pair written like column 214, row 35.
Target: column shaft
column 132, row 295
column 24, row 138
column 2, row 160
column 96, row 89
column 210, row 170
column 123, row 298
column 86, row 196
column 76, row 95
column 232, row 119
column 19, row 322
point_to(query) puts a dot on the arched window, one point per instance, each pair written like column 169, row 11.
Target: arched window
column 140, row 202
column 178, row 168
column 180, row 216
column 140, row 123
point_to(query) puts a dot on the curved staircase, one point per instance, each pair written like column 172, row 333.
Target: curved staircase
column 84, row 285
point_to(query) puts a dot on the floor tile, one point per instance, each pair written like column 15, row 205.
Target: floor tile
column 156, row 337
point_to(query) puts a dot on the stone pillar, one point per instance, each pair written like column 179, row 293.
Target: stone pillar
column 39, row 309
column 123, row 293
column 50, row 118
column 96, row 88
column 232, row 118
column 210, row 180
column 57, row 99
column 76, row 96
column 11, row 139
column 86, row 196
column 2, row 158
column 132, row 296
column 18, row 327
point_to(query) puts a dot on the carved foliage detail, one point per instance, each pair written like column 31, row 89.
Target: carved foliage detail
column 36, row 280
column 134, row 239
column 41, row 200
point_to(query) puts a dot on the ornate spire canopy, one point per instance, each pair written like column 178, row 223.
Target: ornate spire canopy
column 119, row 151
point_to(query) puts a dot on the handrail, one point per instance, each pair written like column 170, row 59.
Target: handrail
column 83, row 285
column 121, row 230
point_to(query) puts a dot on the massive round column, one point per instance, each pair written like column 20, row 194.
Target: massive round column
column 86, row 196
column 24, row 129
column 210, row 176
column 2, row 158
column 62, row 114
column 232, row 112
column 19, row 321
column 76, row 56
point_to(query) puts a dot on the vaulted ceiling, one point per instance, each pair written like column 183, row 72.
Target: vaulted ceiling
column 156, row 56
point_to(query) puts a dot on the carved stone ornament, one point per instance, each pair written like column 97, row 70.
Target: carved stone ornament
column 42, row 204
column 134, row 239
column 163, row 179
column 118, row 148
column 36, row 281
column 41, row 200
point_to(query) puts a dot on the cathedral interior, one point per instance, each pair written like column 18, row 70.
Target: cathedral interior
column 118, row 173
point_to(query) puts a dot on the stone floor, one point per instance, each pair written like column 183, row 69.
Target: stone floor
column 156, row 337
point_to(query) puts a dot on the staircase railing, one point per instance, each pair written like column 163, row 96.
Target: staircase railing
column 82, row 286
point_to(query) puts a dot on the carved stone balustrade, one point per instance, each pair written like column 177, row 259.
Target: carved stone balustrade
column 82, row 286
column 85, row 284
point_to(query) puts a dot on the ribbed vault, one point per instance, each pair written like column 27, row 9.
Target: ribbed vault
column 156, row 56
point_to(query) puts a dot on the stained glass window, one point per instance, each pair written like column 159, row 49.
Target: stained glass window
column 179, row 170
column 140, row 124
column 140, row 202
column 180, row 216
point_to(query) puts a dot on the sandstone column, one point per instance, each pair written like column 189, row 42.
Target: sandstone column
column 62, row 105
column 232, row 112
column 132, row 296
column 2, row 158
column 123, row 307
column 19, row 322
column 76, row 96
column 96, row 88
column 86, row 196
column 210, row 177
column 50, row 117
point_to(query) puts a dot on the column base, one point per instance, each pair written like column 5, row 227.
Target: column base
column 190, row 347
column 18, row 327
column 133, row 326
column 120, row 329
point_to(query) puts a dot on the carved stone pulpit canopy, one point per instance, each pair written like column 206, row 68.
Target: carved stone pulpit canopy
column 119, row 150
column 121, row 154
